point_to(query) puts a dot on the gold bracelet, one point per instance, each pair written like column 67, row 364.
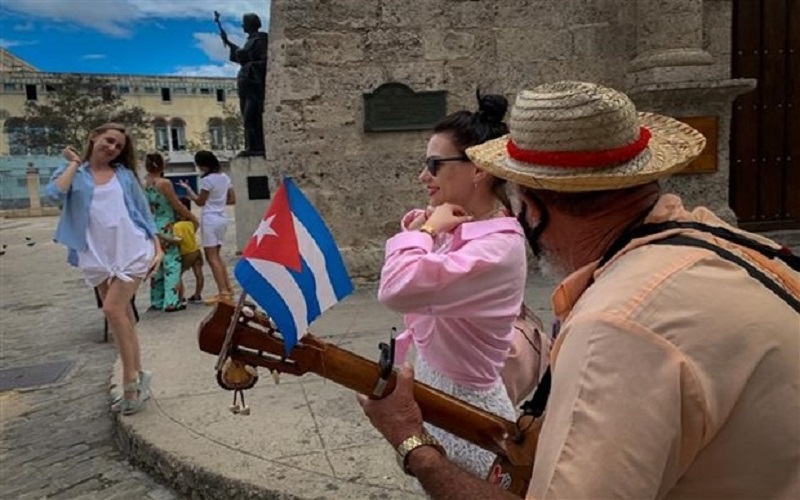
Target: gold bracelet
column 412, row 443
column 428, row 229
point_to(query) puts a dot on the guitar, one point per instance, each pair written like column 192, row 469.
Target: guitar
column 243, row 338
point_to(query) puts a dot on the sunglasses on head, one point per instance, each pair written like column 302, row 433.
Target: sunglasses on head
column 434, row 162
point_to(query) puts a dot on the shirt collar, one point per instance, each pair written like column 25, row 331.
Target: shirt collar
column 478, row 229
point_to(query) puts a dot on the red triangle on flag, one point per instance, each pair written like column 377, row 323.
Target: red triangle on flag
column 275, row 239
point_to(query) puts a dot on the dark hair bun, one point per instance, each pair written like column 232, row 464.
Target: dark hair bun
column 491, row 107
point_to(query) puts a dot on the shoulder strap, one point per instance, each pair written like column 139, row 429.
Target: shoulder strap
column 784, row 254
column 538, row 402
column 769, row 283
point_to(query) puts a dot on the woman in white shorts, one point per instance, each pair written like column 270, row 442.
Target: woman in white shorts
column 216, row 191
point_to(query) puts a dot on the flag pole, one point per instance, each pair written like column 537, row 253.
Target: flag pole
column 223, row 353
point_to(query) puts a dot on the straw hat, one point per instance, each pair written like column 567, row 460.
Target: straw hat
column 576, row 136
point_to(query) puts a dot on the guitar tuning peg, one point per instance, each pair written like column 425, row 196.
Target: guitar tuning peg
column 276, row 376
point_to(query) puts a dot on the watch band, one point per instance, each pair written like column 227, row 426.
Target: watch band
column 412, row 443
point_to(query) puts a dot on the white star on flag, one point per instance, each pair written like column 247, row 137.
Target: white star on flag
column 264, row 229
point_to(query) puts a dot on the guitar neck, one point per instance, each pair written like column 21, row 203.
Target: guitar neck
column 438, row 408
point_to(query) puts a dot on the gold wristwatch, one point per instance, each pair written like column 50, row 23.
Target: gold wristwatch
column 428, row 229
column 411, row 444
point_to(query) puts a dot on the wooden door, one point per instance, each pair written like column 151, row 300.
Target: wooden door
column 765, row 132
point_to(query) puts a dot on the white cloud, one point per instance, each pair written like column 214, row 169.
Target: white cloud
column 93, row 57
column 227, row 70
column 211, row 45
column 114, row 17
column 7, row 44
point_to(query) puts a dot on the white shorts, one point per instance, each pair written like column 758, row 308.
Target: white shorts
column 212, row 230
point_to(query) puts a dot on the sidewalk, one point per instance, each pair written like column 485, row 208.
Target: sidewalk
column 305, row 438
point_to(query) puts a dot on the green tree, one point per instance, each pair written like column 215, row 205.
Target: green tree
column 72, row 108
column 233, row 127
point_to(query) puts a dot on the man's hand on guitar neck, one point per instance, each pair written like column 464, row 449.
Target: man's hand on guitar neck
column 398, row 417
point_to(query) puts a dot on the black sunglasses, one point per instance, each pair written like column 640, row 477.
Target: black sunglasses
column 433, row 162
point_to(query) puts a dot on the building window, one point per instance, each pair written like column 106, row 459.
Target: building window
column 150, row 90
column 205, row 91
column 178, row 134
column 180, row 90
column 10, row 87
column 216, row 133
column 220, row 95
column 124, row 90
column 108, row 93
column 49, row 88
column 161, row 135
column 30, row 92
column 165, row 95
column 233, row 133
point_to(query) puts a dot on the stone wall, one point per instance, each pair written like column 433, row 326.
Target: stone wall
column 325, row 54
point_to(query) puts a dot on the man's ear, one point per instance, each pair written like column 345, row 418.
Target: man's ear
column 479, row 176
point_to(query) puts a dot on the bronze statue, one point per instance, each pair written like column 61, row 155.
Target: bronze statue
column 251, row 80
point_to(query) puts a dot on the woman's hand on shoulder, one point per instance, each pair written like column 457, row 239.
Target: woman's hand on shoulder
column 447, row 217
column 417, row 218
column 71, row 155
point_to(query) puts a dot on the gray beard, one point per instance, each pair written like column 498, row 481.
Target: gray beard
column 551, row 266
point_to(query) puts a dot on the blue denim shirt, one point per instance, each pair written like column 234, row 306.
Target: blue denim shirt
column 77, row 200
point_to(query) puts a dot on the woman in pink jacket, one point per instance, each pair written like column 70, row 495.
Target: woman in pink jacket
column 457, row 271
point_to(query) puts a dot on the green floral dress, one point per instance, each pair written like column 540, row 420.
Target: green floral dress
column 165, row 281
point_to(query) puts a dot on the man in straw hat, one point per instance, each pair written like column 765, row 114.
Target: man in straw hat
column 676, row 373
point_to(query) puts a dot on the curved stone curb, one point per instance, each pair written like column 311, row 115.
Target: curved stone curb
column 196, row 482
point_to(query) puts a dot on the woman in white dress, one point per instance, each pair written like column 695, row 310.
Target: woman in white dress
column 107, row 226
column 216, row 192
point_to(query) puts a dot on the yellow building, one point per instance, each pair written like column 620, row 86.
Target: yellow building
column 184, row 110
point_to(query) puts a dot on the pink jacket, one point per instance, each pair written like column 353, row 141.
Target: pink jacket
column 460, row 295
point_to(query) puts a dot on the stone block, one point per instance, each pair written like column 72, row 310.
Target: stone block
column 402, row 13
column 423, row 75
column 449, row 44
column 299, row 84
column 248, row 213
column 532, row 15
column 523, row 45
column 330, row 14
column 393, row 45
column 335, row 48
column 330, row 114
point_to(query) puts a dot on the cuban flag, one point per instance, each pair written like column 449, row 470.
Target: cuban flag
column 291, row 266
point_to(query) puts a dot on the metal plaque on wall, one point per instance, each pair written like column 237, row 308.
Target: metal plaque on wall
column 394, row 106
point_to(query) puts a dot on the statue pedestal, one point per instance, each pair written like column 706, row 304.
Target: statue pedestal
column 253, row 194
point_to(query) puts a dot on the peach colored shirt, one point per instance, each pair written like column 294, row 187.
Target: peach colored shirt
column 676, row 375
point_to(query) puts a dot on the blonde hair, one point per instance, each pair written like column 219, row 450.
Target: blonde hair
column 127, row 157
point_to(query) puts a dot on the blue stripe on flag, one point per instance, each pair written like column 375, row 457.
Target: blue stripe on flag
column 264, row 293
column 308, row 216
column 308, row 285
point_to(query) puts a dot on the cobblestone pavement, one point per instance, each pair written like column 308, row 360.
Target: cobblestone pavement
column 57, row 440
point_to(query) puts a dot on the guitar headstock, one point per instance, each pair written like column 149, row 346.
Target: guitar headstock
column 257, row 342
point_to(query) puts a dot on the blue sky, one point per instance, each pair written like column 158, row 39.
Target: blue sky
column 142, row 37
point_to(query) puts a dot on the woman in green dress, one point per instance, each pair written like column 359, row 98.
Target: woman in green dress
column 164, row 204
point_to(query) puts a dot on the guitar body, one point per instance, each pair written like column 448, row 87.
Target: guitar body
column 254, row 341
